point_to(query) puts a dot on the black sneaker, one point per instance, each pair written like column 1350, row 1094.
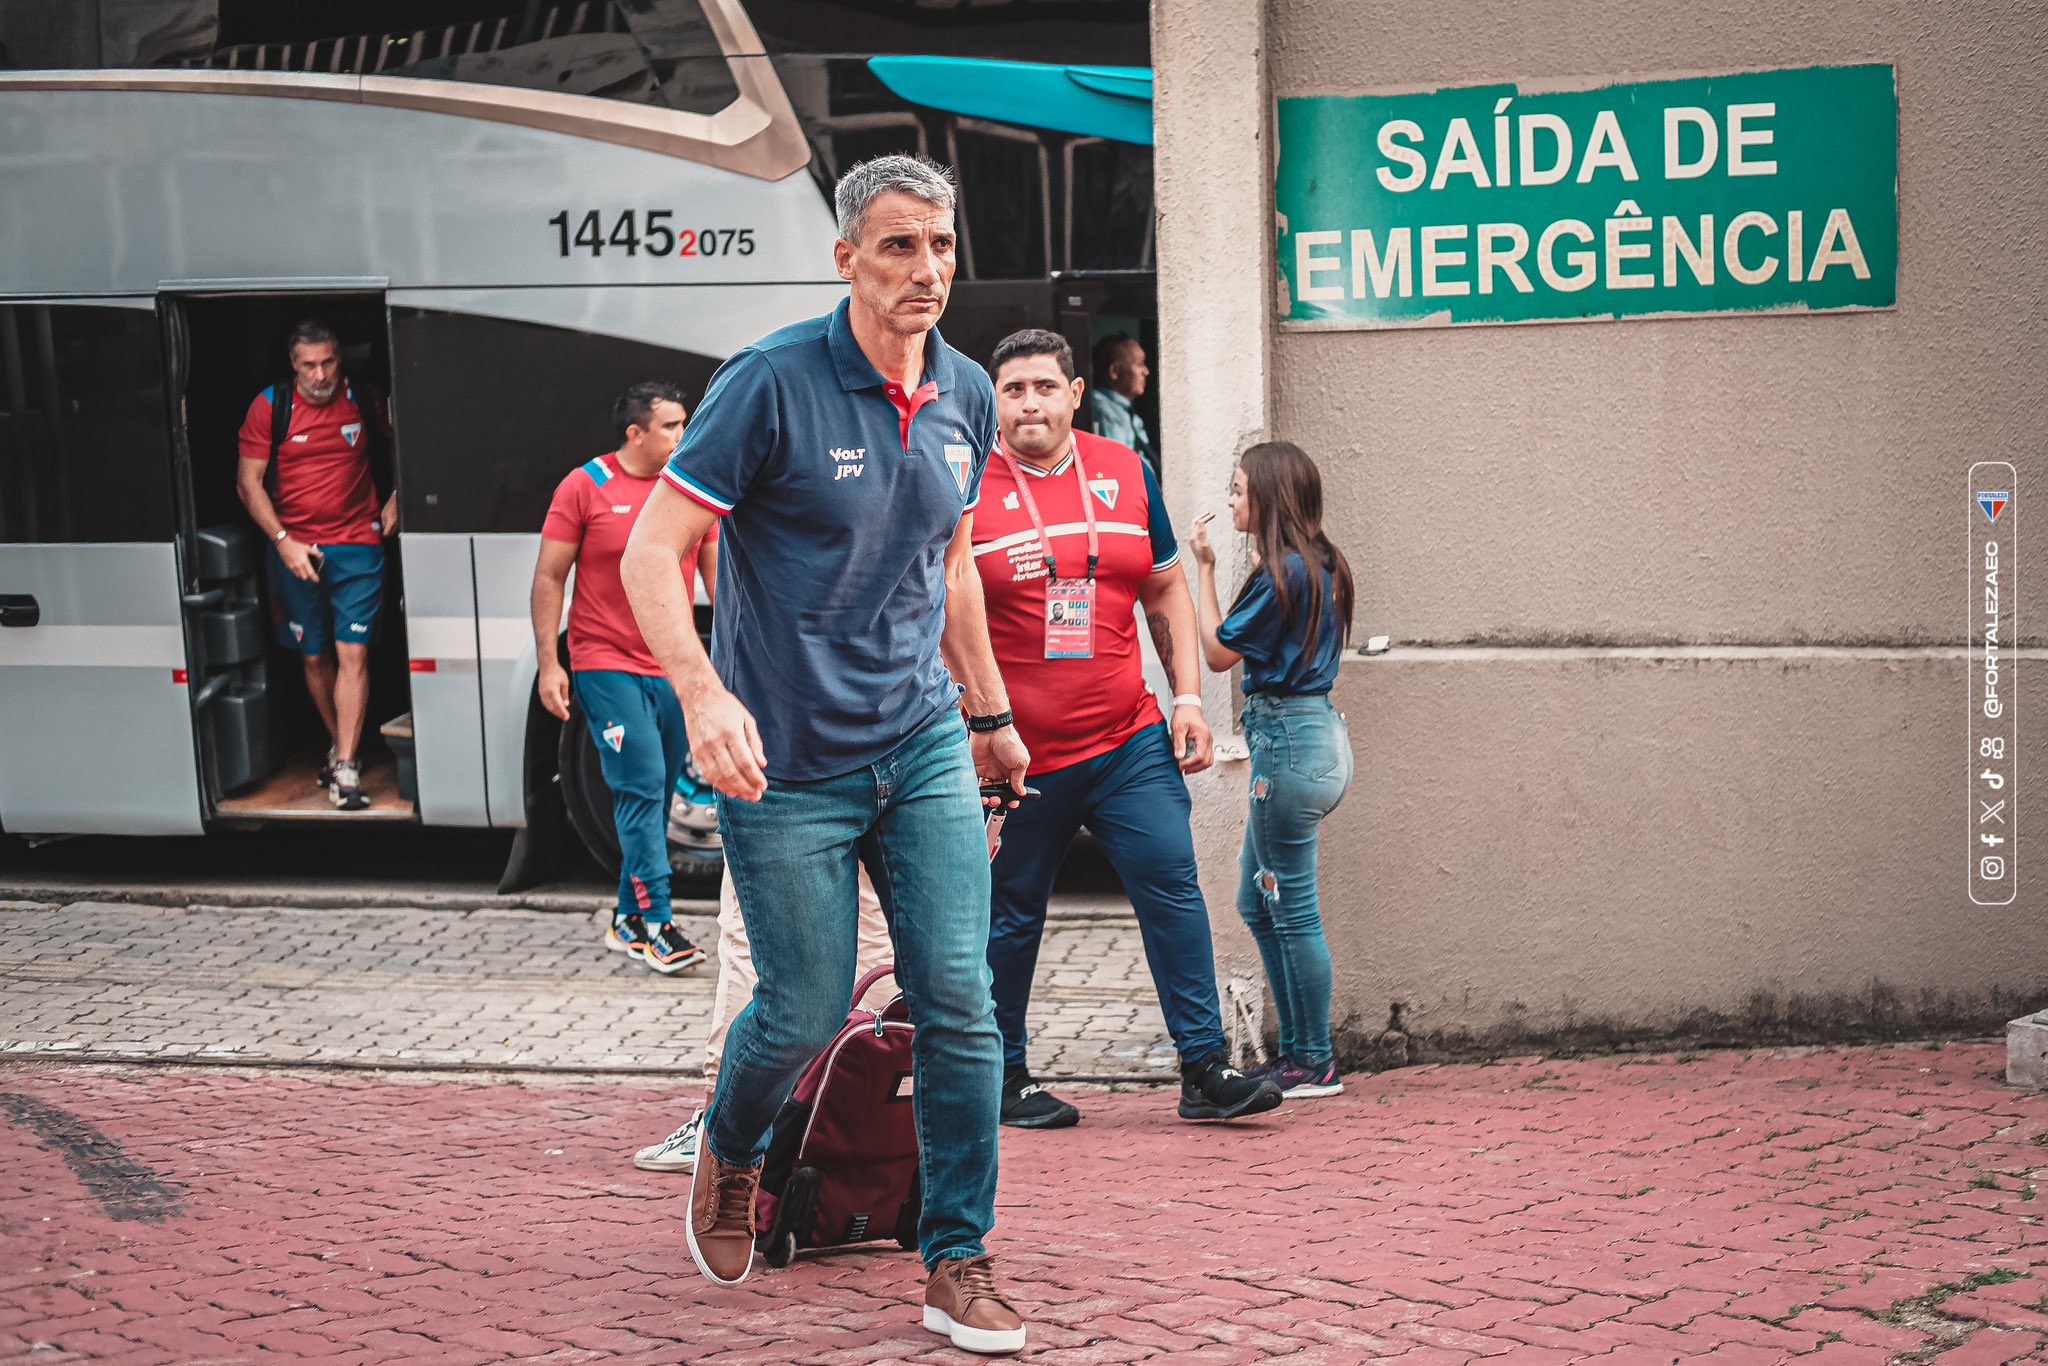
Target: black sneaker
column 668, row 951
column 325, row 777
column 1027, row 1105
column 1213, row 1089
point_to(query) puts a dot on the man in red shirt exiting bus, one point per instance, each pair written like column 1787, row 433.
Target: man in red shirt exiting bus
column 626, row 700
column 310, row 489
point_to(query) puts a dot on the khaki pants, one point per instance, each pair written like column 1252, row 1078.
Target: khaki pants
column 736, row 965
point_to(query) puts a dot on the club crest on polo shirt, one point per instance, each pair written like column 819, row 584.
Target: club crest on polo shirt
column 350, row 431
column 960, row 460
column 615, row 736
column 1106, row 490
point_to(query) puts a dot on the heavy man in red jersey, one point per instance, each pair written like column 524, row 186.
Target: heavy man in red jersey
column 1071, row 538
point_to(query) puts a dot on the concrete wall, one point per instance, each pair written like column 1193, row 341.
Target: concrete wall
column 1672, row 739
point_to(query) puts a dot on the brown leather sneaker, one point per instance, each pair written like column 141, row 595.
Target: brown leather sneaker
column 962, row 1302
column 721, row 1227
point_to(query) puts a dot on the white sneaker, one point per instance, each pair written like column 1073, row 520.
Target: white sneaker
column 676, row 1153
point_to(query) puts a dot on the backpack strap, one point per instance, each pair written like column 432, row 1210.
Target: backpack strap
column 280, row 415
column 280, row 426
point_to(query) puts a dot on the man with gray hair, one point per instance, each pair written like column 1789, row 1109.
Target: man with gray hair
column 844, row 455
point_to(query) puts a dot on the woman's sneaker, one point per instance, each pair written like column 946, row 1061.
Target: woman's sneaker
column 1303, row 1083
column 676, row 1153
column 1213, row 1089
column 667, row 951
column 1027, row 1105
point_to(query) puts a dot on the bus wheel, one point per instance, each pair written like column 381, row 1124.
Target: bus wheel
column 694, row 861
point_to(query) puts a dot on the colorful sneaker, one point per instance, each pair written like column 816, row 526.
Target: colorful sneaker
column 963, row 1304
column 628, row 934
column 676, row 1153
column 1027, row 1105
column 345, row 789
column 1213, row 1089
column 667, row 951
column 1305, row 1083
column 1269, row 1070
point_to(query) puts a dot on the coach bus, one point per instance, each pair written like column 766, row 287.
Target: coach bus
column 508, row 216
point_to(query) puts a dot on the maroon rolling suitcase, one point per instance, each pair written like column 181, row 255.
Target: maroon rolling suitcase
column 841, row 1165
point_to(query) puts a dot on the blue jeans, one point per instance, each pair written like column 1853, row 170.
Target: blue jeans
column 637, row 725
column 1136, row 802
column 913, row 818
column 1301, row 765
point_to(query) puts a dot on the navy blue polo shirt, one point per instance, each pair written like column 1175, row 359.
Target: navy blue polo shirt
column 832, row 555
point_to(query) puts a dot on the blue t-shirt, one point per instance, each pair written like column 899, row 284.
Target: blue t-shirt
column 1274, row 660
column 832, row 572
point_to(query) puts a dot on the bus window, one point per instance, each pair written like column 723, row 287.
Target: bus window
column 535, row 403
column 84, row 447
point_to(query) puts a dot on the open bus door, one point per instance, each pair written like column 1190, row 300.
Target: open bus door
column 95, row 698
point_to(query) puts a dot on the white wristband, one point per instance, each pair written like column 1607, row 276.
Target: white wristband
column 1187, row 699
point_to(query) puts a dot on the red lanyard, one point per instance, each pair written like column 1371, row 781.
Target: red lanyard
column 1038, row 523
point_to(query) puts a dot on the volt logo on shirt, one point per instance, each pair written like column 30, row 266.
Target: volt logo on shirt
column 849, row 461
column 615, row 736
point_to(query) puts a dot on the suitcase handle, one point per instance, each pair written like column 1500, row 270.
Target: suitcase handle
column 870, row 977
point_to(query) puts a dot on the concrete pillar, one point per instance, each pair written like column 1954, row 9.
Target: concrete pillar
column 1212, row 131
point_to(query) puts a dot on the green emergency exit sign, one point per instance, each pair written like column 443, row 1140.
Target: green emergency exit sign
column 1751, row 192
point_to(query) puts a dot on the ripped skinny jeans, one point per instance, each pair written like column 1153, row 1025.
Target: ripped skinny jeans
column 1301, row 766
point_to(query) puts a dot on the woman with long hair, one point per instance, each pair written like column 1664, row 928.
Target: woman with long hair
column 1288, row 626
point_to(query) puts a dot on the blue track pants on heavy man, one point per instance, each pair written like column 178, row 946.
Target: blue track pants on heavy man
column 637, row 725
column 1135, row 801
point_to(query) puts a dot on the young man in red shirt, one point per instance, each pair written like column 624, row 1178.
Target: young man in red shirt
column 1071, row 538
column 626, row 700
column 317, row 504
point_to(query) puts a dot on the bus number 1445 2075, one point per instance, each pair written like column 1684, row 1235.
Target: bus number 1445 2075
column 648, row 231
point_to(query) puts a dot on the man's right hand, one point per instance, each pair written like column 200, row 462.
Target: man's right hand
column 298, row 559
column 725, row 744
column 554, row 689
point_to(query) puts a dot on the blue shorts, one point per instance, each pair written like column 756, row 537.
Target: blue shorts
column 341, row 606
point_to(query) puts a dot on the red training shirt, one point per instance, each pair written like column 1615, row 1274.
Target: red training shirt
column 1071, row 710
column 594, row 509
column 323, row 492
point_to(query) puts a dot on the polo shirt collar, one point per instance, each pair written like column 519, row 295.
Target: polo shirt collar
column 1110, row 395
column 856, row 371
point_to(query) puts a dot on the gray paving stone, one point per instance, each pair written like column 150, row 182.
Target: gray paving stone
column 483, row 988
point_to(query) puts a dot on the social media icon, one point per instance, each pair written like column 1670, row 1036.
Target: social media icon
column 1991, row 868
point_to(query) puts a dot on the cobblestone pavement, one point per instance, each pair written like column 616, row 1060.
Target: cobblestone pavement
column 1830, row 1207
column 486, row 988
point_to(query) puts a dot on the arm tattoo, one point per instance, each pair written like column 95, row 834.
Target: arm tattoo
column 1162, row 640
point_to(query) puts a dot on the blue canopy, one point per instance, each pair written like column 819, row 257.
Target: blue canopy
column 1112, row 102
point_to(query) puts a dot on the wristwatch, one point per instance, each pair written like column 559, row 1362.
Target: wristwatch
column 278, row 539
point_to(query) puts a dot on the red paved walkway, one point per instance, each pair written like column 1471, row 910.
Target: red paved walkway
column 1838, row 1207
